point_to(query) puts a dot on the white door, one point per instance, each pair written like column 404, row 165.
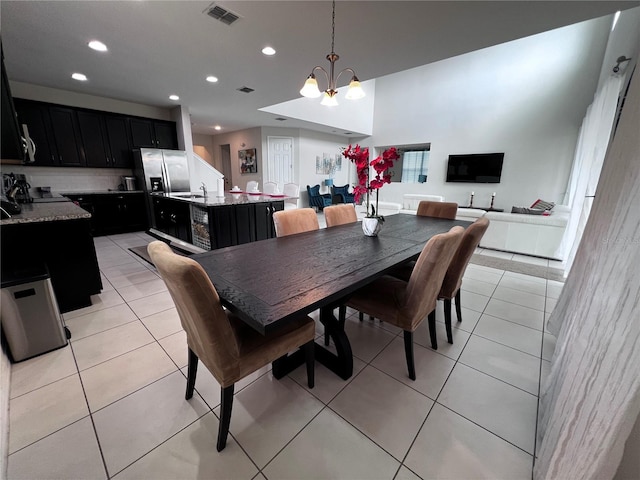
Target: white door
column 280, row 160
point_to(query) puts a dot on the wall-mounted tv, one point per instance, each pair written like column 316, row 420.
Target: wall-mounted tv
column 475, row 168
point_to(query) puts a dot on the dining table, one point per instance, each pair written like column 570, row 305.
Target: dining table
column 271, row 282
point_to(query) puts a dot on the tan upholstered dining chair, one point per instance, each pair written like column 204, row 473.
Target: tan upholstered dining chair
column 299, row 220
column 428, row 208
column 228, row 347
column 340, row 214
column 453, row 278
column 405, row 304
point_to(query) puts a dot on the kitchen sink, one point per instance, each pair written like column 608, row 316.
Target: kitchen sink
column 188, row 195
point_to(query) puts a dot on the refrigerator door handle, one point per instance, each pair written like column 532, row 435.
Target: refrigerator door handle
column 165, row 177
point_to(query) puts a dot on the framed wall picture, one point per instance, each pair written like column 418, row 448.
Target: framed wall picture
column 248, row 160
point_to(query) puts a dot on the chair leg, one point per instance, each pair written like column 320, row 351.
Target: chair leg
column 226, row 394
column 447, row 319
column 432, row 330
column 408, row 351
column 192, row 369
column 309, row 354
column 458, row 306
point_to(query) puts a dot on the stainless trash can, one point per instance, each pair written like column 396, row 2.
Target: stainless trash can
column 31, row 320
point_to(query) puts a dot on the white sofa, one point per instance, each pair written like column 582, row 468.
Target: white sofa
column 410, row 201
column 537, row 235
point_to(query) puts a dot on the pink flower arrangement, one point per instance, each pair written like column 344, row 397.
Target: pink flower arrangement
column 382, row 164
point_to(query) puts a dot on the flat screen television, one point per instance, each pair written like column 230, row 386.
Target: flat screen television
column 475, row 168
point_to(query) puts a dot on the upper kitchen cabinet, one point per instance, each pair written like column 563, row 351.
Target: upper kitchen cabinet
column 33, row 118
column 105, row 140
column 146, row 133
column 66, row 136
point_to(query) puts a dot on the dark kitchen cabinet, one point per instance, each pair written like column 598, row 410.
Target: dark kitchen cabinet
column 66, row 136
column 35, row 116
column 104, row 140
column 113, row 213
column 264, row 219
column 79, row 137
column 66, row 247
column 172, row 217
column 96, row 152
column 146, row 133
column 118, row 141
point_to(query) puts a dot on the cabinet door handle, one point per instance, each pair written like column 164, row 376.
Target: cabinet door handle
column 60, row 156
column 53, row 157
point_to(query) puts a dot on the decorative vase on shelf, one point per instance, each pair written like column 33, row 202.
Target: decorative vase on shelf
column 371, row 226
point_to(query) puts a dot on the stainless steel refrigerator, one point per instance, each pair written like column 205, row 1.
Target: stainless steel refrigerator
column 160, row 171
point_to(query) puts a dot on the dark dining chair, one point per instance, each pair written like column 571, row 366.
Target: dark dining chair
column 227, row 346
column 405, row 304
column 342, row 195
column 298, row 220
column 427, row 208
column 316, row 199
column 453, row 278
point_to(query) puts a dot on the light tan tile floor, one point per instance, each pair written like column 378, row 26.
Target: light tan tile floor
column 111, row 404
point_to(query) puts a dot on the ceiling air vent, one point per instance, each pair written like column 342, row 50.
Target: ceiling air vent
column 222, row 14
column 245, row 89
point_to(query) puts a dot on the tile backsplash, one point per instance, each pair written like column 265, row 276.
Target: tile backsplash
column 64, row 179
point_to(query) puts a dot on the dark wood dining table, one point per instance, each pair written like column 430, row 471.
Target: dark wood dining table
column 271, row 282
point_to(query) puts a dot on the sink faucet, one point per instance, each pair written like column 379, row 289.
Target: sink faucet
column 204, row 189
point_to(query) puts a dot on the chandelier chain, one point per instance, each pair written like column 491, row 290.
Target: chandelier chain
column 333, row 27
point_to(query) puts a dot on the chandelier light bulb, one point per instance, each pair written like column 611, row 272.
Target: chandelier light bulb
column 355, row 91
column 329, row 100
column 310, row 88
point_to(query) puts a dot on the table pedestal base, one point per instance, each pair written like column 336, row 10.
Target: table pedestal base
column 341, row 363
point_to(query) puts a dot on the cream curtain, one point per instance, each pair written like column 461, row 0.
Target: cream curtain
column 591, row 399
column 590, row 151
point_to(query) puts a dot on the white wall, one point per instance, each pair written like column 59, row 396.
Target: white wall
column 314, row 144
column 240, row 140
column 203, row 146
column 526, row 98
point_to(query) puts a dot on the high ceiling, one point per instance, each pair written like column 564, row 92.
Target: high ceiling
column 158, row 48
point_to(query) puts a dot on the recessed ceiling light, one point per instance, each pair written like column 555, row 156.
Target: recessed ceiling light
column 268, row 51
column 98, row 46
column 174, row 97
column 79, row 76
column 217, row 127
column 212, row 79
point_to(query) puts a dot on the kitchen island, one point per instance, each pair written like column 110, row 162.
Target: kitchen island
column 57, row 235
column 211, row 222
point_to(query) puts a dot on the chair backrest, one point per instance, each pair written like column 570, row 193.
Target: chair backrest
column 291, row 190
column 252, row 185
column 269, row 187
column 343, row 190
column 340, row 214
column 288, row 222
column 424, row 285
column 470, row 240
column 313, row 191
column 209, row 333
column 437, row 209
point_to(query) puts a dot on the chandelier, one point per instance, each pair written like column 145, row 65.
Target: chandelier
column 310, row 88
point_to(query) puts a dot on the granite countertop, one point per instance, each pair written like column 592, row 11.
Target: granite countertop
column 212, row 200
column 101, row 192
column 46, row 212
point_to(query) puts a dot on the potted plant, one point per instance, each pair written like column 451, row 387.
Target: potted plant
column 372, row 222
